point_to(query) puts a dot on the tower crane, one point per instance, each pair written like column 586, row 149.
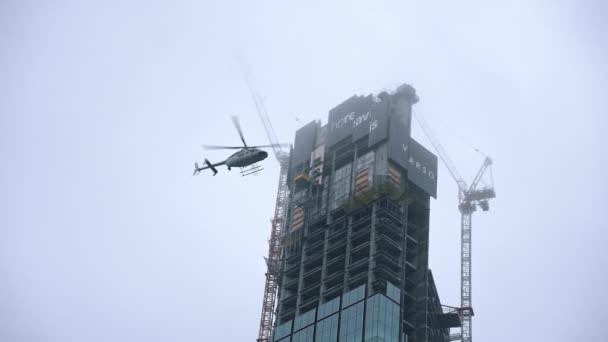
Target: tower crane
column 277, row 222
column 469, row 198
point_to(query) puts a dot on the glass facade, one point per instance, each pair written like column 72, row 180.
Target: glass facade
column 381, row 319
column 364, row 160
column 353, row 296
column 351, row 323
column 304, row 335
column 341, row 186
column 304, row 320
column 393, row 292
column 329, row 308
column 282, row 331
column 327, row 330
column 361, row 319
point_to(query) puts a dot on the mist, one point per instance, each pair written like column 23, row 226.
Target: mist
column 105, row 235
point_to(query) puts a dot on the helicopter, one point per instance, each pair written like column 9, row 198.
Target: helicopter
column 245, row 159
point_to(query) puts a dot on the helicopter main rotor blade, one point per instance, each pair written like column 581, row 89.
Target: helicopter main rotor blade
column 271, row 145
column 237, row 125
column 219, row 147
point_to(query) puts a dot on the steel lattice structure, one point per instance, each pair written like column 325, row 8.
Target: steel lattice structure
column 277, row 223
column 469, row 199
column 465, row 276
column 274, row 256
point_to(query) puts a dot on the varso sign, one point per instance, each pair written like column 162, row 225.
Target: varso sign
column 422, row 168
column 415, row 164
column 421, row 164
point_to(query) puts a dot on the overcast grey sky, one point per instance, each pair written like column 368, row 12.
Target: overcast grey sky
column 106, row 236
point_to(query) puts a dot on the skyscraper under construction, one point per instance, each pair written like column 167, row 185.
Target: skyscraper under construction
column 354, row 265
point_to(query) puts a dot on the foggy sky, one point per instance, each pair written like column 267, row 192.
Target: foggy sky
column 106, row 236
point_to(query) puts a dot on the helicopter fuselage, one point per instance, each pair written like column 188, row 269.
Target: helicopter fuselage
column 246, row 157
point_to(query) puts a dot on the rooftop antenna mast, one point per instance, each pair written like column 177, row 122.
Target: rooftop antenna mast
column 468, row 200
column 274, row 243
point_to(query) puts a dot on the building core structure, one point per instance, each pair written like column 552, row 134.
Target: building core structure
column 354, row 262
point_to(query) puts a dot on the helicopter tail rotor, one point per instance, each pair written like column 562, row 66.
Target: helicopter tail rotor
column 198, row 169
column 211, row 166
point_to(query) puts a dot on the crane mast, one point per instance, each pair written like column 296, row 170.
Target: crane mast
column 468, row 200
column 277, row 222
column 273, row 259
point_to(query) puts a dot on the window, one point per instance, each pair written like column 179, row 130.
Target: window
column 394, row 175
column 381, row 319
column 324, row 196
column 329, row 308
column 364, row 160
column 340, row 186
column 364, row 169
column 297, row 218
column 393, row 292
column 282, row 331
column 353, row 296
column 304, row 320
column 363, row 179
column 305, row 335
column 351, row 323
column 327, row 329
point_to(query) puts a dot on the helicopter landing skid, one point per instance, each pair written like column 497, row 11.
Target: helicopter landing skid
column 252, row 169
